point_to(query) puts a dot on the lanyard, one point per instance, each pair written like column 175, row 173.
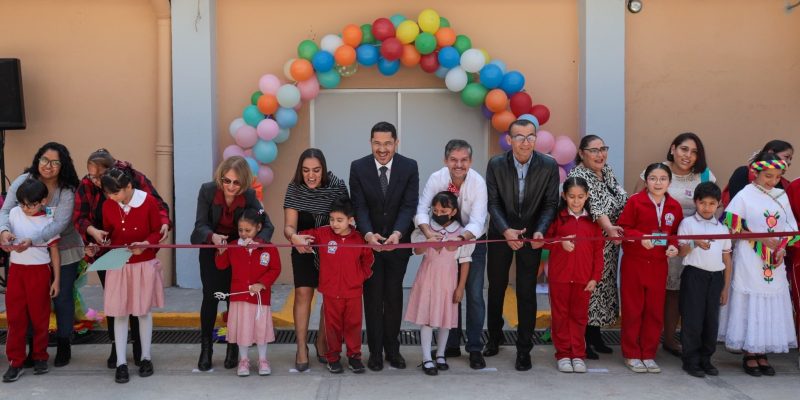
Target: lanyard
column 659, row 208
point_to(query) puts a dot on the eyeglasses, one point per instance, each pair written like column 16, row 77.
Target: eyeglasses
column 655, row 179
column 53, row 163
column 30, row 206
column 597, row 150
column 519, row 138
column 226, row 181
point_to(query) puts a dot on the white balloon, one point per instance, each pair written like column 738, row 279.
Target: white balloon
column 330, row 43
column 288, row 96
column 473, row 60
column 235, row 125
column 456, row 79
column 287, row 69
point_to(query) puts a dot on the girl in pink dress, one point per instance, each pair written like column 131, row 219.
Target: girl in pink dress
column 439, row 287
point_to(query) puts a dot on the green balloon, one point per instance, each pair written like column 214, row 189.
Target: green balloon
column 462, row 43
column 426, row 43
column 306, row 49
column 473, row 95
column 471, row 77
column 254, row 97
column 444, row 22
column 366, row 34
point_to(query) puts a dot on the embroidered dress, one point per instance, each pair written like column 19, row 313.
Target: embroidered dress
column 758, row 317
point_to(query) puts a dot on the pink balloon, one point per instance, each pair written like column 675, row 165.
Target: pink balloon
column 246, row 137
column 269, row 84
column 562, row 175
column 564, row 150
column 267, row 129
column 544, row 142
column 265, row 174
column 248, row 153
column 309, row 89
column 232, row 150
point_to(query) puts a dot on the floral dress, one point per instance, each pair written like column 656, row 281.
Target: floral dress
column 606, row 197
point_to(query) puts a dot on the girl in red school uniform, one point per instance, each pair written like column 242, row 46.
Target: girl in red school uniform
column 651, row 212
column 254, row 270
column 132, row 218
column 573, row 273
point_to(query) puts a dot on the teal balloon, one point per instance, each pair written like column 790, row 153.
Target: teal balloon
column 462, row 44
column 328, row 80
column 397, row 19
column 286, row 117
column 388, row 68
column 252, row 116
column 306, row 49
column 366, row 34
column 425, row 43
column 474, row 94
column 283, row 135
column 444, row 22
column 254, row 97
column 253, row 165
column 265, row 152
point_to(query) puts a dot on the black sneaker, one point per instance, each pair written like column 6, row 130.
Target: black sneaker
column 121, row 376
column 40, row 367
column 145, row 368
column 28, row 363
column 356, row 365
column 12, row 374
column 335, row 367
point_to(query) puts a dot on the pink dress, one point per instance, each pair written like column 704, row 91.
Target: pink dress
column 246, row 327
column 431, row 299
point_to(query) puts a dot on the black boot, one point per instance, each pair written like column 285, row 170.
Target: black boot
column 63, row 353
column 596, row 339
column 28, row 363
column 111, row 363
column 590, row 354
column 137, row 351
column 206, row 351
column 231, row 356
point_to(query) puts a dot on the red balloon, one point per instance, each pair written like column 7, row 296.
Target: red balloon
column 541, row 113
column 521, row 103
column 382, row 29
column 429, row 62
column 392, row 49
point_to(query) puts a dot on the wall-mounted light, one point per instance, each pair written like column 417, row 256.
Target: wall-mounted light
column 634, row 6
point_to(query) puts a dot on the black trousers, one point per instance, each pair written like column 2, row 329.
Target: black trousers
column 497, row 267
column 699, row 308
column 132, row 321
column 383, row 301
column 213, row 280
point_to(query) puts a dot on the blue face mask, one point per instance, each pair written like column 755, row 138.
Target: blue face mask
column 440, row 219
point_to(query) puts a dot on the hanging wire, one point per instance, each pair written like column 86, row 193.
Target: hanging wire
column 789, row 7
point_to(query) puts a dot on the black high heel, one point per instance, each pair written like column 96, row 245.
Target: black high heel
column 321, row 359
column 300, row 367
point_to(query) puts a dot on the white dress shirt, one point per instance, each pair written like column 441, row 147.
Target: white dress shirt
column 711, row 259
column 472, row 200
column 388, row 166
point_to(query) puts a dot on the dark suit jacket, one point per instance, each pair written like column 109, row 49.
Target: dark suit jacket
column 393, row 212
column 539, row 203
column 209, row 214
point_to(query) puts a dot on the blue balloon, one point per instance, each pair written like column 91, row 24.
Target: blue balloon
column 500, row 64
column 253, row 164
column 283, row 135
column 286, row 117
column 397, row 19
column 441, row 72
column 532, row 118
column 329, row 80
column 252, row 116
column 387, row 67
column 367, row 55
column 491, row 76
column 265, row 152
column 513, row 82
column 449, row 57
column 322, row 61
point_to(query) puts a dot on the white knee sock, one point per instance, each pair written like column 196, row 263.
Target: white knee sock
column 262, row 352
column 243, row 352
column 441, row 341
column 146, row 334
column 121, row 338
column 426, row 337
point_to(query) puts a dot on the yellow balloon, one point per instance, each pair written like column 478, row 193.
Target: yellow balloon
column 429, row 20
column 485, row 55
column 407, row 31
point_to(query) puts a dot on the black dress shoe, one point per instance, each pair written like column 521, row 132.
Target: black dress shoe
column 441, row 364
column 709, row 368
column 765, row 369
column 375, row 363
column 492, row 348
column 121, row 376
column 111, row 362
column 590, row 354
column 476, row 360
column 145, row 368
column 752, row 371
column 206, row 351
column 694, row 370
column 396, row 361
column 231, row 356
column 429, row 368
column 452, row 352
column 523, row 362
column 63, row 352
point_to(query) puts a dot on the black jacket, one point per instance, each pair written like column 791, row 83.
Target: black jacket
column 540, row 200
column 209, row 214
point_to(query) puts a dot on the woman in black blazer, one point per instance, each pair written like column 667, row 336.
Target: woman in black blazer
column 220, row 203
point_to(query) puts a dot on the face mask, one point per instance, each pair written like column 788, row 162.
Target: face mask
column 440, row 219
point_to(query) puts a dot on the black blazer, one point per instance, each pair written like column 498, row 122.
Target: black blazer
column 209, row 214
column 539, row 203
column 393, row 212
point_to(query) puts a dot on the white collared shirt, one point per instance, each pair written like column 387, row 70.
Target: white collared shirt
column 388, row 171
column 472, row 200
column 582, row 214
column 136, row 200
column 711, row 259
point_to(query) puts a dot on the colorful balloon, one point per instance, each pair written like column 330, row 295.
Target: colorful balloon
column 328, row 80
column 456, row 79
column 564, row 150
column 301, row 69
column 252, row 116
column 254, row 97
column 235, row 125
column 545, row 141
column 265, row 152
column 407, row 31
column 252, row 163
column 367, row 55
column 441, row 72
column 287, row 70
column 352, row 35
column 397, row 19
column 491, row 76
column 246, row 137
column 309, row 89
column 269, row 84
column 449, row 57
column 388, row 67
column 502, row 119
column 429, row 63
column 429, row 20
column 267, row 129
column 232, row 150
column 345, row 55
column 306, row 49
column 283, row 135
column 267, row 104
column 288, row 96
column 391, row 49
column 462, row 44
column 445, row 37
column 496, row 100
column 473, row 94
column 541, row 112
column 512, row 82
column 330, row 43
column 521, row 103
column 472, row 60
column 410, row 55
column 425, row 43
column 265, row 174
column 286, row 117
column 382, row 29
column 366, row 35
column 323, row 61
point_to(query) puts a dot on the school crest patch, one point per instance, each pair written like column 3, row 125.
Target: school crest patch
column 669, row 219
column 264, row 260
column 332, row 247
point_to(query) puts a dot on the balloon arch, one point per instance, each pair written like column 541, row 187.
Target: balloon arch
column 387, row 43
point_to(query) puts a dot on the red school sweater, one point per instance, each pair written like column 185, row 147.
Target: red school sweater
column 261, row 265
column 639, row 218
column 140, row 224
column 342, row 270
column 585, row 262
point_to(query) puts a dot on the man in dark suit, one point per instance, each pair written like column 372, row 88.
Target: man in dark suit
column 522, row 189
column 385, row 188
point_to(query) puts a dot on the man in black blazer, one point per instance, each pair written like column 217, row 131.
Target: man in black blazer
column 385, row 188
column 522, row 189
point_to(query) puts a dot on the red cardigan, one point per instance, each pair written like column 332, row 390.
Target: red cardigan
column 639, row 218
column 142, row 223
column 262, row 265
column 585, row 262
column 342, row 270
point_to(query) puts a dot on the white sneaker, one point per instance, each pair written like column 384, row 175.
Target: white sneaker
column 565, row 365
column 636, row 365
column 244, row 368
column 578, row 365
column 263, row 368
column 651, row 366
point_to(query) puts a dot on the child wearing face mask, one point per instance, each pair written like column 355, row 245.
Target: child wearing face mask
column 439, row 286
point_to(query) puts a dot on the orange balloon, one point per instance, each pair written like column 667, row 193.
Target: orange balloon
column 301, row 69
column 351, row 35
column 502, row 119
column 345, row 55
column 496, row 100
column 267, row 104
column 445, row 37
column 410, row 56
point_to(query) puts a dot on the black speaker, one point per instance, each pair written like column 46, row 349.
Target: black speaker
column 12, row 106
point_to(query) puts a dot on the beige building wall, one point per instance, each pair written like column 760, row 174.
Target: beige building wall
column 726, row 70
